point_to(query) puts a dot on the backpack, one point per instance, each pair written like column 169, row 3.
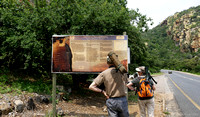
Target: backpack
column 145, row 90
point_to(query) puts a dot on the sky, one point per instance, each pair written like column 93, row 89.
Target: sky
column 159, row 10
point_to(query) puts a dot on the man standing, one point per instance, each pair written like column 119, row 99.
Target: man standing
column 146, row 102
column 115, row 85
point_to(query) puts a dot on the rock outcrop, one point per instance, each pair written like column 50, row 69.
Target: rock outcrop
column 184, row 29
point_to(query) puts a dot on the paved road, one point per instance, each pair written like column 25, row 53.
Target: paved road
column 186, row 89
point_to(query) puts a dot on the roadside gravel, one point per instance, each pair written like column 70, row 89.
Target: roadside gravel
column 170, row 106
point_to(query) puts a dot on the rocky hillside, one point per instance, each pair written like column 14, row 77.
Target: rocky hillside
column 184, row 28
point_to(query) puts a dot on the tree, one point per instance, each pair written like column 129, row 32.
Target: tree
column 27, row 28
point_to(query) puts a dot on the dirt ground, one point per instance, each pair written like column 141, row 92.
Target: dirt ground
column 165, row 104
column 93, row 104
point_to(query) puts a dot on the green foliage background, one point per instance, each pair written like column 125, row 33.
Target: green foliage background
column 26, row 29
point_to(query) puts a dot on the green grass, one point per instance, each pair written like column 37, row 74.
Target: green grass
column 132, row 97
column 194, row 73
column 36, row 86
column 157, row 74
column 10, row 84
column 166, row 113
column 198, row 73
column 5, row 89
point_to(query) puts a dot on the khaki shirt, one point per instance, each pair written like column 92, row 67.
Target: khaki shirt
column 114, row 82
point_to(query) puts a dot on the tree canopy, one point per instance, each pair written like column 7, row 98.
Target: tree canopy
column 26, row 29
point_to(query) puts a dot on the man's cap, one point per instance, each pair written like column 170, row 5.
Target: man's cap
column 141, row 68
column 137, row 69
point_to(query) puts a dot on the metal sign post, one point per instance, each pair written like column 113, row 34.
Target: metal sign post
column 54, row 95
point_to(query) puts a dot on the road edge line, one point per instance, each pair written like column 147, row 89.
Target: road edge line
column 194, row 103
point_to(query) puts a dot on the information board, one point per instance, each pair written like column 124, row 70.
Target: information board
column 86, row 53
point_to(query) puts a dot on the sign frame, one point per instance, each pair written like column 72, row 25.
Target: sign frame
column 119, row 45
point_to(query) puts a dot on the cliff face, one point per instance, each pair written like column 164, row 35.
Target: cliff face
column 184, row 29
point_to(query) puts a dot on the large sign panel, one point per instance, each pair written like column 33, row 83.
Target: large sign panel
column 86, row 53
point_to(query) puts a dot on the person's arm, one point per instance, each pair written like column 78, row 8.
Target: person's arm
column 94, row 87
column 153, row 87
column 129, row 85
